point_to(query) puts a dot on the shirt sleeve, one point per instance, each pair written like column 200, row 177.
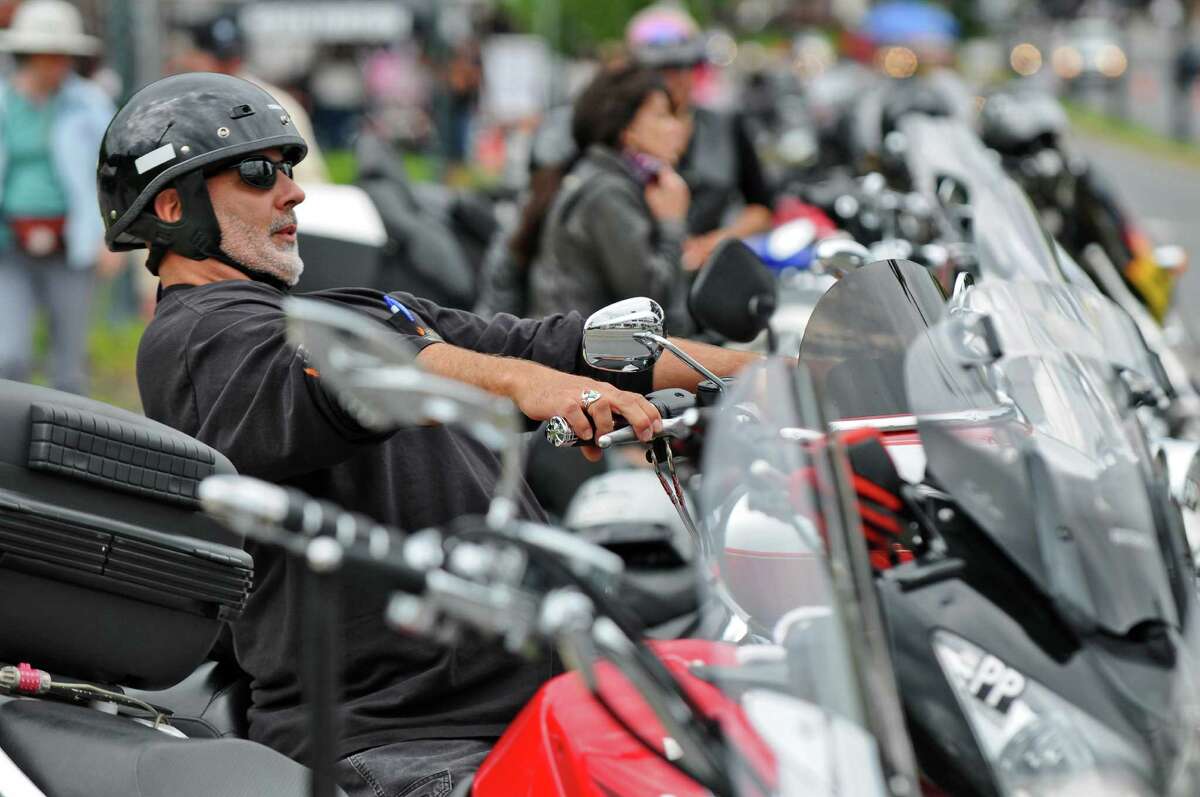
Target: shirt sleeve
column 260, row 402
column 751, row 182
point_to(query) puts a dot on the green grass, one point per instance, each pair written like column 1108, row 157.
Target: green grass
column 420, row 168
column 343, row 168
column 1132, row 135
column 113, row 353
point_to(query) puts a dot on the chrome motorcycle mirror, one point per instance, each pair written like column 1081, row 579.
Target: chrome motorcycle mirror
column 627, row 336
column 610, row 340
column 838, row 257
column 891, row 249
column 376, row 377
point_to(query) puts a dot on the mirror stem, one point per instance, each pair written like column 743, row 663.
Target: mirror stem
column 503, row 508
column 681, row 354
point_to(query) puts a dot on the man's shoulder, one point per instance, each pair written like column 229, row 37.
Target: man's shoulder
column 190, row 304
column 220, row 304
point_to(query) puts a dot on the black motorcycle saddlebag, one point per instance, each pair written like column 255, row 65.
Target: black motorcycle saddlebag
column 109, row 571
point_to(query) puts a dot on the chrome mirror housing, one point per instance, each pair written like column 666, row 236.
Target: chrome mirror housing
column 622, row 336
column 837, row 257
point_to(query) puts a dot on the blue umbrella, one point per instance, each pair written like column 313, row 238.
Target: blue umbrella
column 905, row 21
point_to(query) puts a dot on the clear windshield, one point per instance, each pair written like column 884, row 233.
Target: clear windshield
column 947, row 161
column 773, row 526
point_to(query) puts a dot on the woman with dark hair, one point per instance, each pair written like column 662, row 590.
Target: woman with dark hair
column 615, row 227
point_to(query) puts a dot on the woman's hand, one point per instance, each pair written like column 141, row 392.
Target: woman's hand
column 697, row 249
column 550, row 393
column 668, row 197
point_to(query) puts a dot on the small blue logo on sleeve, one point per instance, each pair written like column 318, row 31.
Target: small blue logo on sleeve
column 398, row 308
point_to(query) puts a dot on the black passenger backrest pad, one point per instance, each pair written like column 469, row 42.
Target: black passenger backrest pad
column 117, row 455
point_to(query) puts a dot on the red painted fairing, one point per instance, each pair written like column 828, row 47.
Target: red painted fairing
column 790, row 209
column 564, row 744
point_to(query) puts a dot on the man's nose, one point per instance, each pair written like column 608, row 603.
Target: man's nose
column 289, row 193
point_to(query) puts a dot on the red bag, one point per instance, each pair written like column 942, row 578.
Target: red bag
column 39, row 237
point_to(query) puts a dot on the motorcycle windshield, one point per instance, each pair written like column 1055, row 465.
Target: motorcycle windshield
column 1083, row 322
column 856, row 339
column 947, row 162
column 777, row 585
column 1017, row 406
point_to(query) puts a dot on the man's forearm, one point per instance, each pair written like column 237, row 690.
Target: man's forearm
column 670, row 371
column 504, row 376
column 497, row 375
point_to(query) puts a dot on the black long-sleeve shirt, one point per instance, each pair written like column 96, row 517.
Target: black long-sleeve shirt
column 215, row 363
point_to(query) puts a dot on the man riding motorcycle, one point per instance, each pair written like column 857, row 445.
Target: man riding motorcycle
column 197, row 167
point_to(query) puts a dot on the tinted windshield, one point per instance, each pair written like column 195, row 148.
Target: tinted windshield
column 771, row 515
column 1050, row 462
column 856, row 340
column 1051, row 448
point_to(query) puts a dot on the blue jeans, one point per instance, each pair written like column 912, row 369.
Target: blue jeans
column 420, row 768
column 27, row 284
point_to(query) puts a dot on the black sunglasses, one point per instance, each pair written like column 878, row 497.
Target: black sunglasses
column 261, row 172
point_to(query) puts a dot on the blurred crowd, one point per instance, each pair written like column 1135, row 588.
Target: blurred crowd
column 608, row 171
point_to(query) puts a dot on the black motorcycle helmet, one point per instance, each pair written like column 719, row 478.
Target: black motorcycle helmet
column 910, row 97
column 1020, row 123
column 168, row 135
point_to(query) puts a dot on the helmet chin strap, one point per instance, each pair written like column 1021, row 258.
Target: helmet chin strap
column 197, row 235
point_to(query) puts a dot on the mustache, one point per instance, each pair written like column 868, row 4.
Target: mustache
column 286, row 220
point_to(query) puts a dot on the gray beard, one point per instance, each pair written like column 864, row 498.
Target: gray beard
column 258, row 252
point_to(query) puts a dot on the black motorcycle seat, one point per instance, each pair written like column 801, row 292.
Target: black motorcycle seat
column 211, row 703
column 74, row 751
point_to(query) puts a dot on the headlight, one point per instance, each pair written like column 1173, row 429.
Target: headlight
column 1037, row 743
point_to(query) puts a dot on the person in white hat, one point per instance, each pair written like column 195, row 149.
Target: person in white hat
column 51, row 240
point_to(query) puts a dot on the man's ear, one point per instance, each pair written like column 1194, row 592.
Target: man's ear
column 167, row 206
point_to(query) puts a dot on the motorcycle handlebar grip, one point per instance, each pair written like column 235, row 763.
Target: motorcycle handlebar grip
column 617, row 437
column 560, row 434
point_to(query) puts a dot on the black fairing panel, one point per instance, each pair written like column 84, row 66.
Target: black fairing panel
column 942, row 738
column 71, row 751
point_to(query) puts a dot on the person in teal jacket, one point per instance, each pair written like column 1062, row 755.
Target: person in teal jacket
column 51, row 236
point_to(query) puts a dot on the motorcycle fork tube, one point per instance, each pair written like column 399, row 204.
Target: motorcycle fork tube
column 320, row 659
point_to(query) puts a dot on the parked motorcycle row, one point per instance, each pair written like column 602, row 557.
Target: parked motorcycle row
column 950, row 550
